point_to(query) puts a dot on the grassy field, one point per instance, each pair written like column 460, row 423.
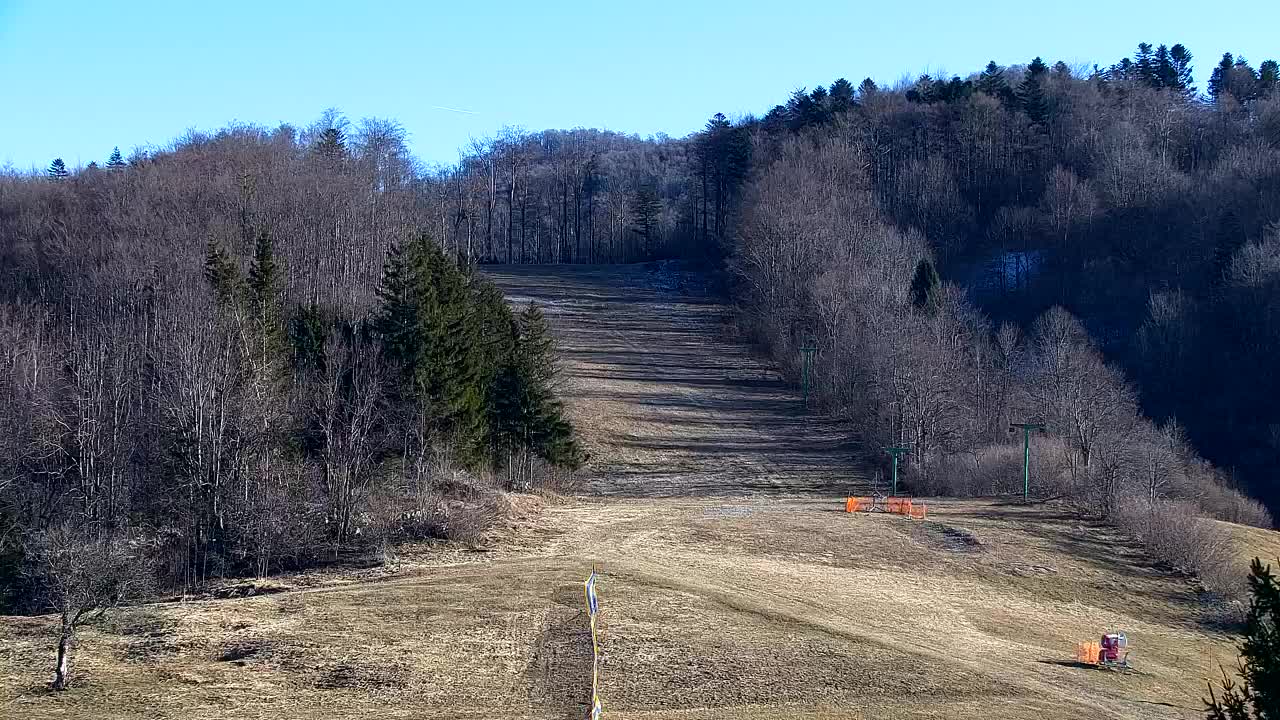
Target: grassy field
column 732, row 584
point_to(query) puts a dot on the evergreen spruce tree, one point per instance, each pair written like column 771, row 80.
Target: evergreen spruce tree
column 427, row 329
column 1031, row 93
column 1268, row 78
column 724, row 152
column 526, row 414
column 776, row 119
column 265, row 307
column 925, row 286
column 954, row 90
column 1218, row 79
column 841, row 96
column 1181, row 58
column 536, row 345
column 499, row 335
column 58, row 169
column 308, row 330
column 1121, row 71
column 509, row 411
column 453, row 373
column 332, row 144
column 922, row 91
column 550, row 436
column 645, row 208
column 820, row 107
column 867, row 88
column 223, row 276
column 403, row 289
column 1258, row 697
column 264, row 275
column 1145, row 65
column 1166, row 74
column 993, row 82
column 1243, row 81
column 800, row 113
column 116, row 161
column 1234, row 77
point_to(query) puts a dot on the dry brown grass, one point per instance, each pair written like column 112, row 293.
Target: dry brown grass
column 713, row 608
column 736, row 588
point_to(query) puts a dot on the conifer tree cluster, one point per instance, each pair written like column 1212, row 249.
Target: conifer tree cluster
column 527, row 420
column 316, row 412
column 1257, row 696
column 479, row 376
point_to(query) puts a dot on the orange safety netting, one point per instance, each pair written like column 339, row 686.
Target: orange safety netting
column 1088, row 652
column 895, row 505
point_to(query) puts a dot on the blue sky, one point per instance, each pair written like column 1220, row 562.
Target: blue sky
column 77, row 78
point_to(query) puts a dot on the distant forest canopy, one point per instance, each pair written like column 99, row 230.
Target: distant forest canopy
column 1143, row 205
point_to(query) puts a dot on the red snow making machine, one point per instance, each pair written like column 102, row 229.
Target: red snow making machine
column 1111, row 653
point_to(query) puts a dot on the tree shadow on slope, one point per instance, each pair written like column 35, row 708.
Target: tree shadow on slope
column 1131, row 582
column 709, row 417
column 559, row 672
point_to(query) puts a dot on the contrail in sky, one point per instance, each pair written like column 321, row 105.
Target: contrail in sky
column 456, row 110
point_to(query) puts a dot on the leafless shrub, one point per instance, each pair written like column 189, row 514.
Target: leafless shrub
column 462, row 485
column 464, row 509
column 1224, row 503
column 997, row 470
column 471, row 523
column 561, row 481
column 1174, row 533
column 527, row 473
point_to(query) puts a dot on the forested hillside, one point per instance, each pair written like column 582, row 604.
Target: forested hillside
column 245, row 354
column 252, row 342
column 1144, row 209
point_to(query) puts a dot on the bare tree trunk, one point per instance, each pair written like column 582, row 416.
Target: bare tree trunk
column 524, row 201
column 564, row 221
column 511, row 208
column 493, row 199
column 62, row 671
column 577, row 223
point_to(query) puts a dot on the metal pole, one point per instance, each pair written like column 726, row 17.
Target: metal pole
column 804, row 376
column 1026, row 464
column 1026, row 455
column 895, row 452
column 895, row 474
column 807, row 349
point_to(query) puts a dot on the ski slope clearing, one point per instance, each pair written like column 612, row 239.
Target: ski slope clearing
column 732, row 584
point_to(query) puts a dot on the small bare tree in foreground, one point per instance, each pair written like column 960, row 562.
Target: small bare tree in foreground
column 82, row 577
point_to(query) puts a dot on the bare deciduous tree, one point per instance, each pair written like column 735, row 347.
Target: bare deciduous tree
column 82, row 577
column 347, row 409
